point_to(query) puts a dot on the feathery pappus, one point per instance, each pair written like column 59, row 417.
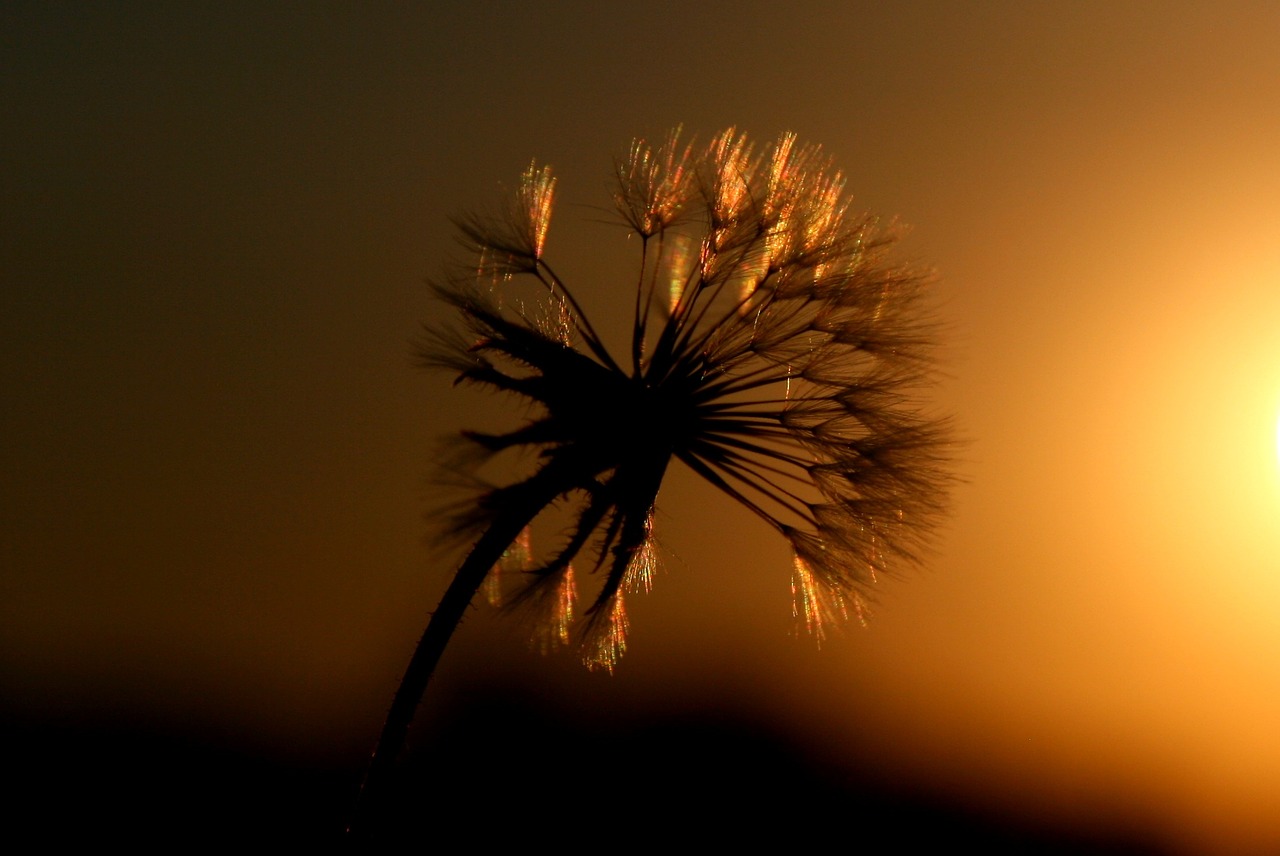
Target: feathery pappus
column 776, row 350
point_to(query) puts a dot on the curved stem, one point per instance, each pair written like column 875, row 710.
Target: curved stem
column 540, row 489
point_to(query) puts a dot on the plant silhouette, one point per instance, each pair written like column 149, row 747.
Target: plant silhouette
column 775, row 350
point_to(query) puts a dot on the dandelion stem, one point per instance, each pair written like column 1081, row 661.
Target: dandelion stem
column 532, row 497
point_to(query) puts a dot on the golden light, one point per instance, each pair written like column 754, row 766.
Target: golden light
column 1278, row 439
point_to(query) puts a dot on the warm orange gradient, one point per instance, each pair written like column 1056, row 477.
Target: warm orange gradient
column 1278, row 439
column 217, row 222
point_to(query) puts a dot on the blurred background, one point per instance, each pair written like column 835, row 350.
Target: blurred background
column 218, row 221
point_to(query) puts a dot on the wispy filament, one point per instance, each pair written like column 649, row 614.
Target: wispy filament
column 776, row 351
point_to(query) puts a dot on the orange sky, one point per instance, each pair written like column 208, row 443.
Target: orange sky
column 217, row 224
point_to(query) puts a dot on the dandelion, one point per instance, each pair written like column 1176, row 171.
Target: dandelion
column 775, row 350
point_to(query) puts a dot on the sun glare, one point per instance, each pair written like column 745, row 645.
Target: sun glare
column 1278, row 440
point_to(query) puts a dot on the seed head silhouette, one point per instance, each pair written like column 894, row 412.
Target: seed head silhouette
column 776, row 350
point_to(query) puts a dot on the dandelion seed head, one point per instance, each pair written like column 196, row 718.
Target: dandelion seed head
column 551, row 630
column 815, row 607
column 644, row 563
column 537, row 190
column 777, row 351
column 606, row 640
column 653, row 184
column 727, row 178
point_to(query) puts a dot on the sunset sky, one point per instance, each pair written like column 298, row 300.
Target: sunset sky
column 218, row 222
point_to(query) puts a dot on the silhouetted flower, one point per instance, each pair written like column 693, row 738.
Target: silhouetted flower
column 775, row 350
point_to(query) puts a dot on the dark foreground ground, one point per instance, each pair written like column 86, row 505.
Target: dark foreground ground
column 501, row 773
